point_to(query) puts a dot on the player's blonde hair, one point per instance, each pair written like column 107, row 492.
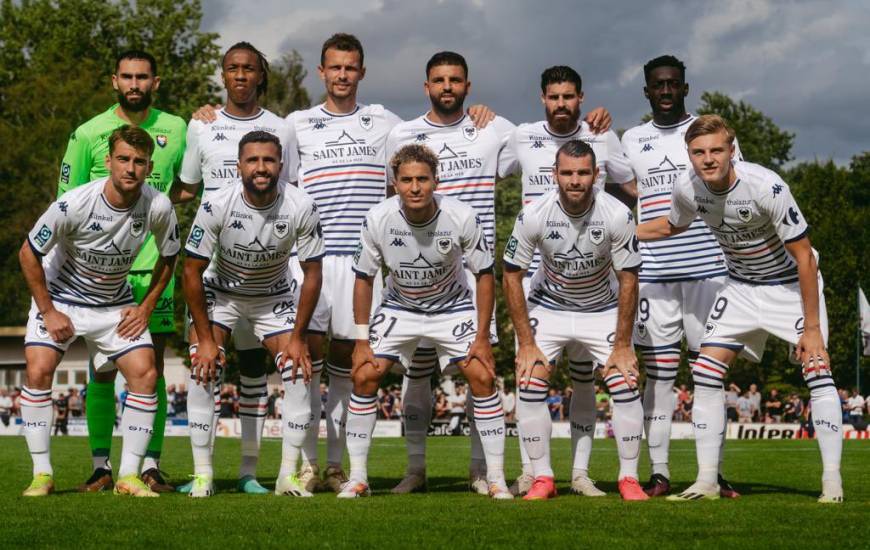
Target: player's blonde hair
column 414, row 153
column 709, row 124
column 135, row 137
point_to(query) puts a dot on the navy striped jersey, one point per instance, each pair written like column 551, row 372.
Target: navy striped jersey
column 342, row 166
column 212, row 152
column 93, row 244
column 250, row 247
column 469, row 160
column 658, row 155
column 752, row 221
column 579, row 254
column 424, row 260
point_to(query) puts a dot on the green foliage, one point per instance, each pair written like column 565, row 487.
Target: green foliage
column 286, row 92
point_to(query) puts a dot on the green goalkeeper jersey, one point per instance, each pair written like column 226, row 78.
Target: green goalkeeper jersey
column 88, row 146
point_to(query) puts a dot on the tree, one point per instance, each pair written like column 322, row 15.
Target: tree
column 56, row 57
column 286, row 92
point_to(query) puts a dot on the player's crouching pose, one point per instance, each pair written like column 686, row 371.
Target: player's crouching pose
column 422, row 238
column 774, row 287
column 583, row 298
column 236, row 269
column 94, row 233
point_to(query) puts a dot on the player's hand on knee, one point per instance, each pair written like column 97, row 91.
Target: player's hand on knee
column 810, row 350
column 624, row 360
column 481, row 115
column 297, row 352
column 207, row 113
column 481, row 350
column 362, row 355
column 528, row 357
column 59, row 326
column 599, row 120
column 134, row 321
column 205, row 362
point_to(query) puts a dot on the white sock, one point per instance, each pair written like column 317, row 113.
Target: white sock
column 627, row 423
column 102, row 462
column 661, row 365
column 137, row 425
column 149, row 462
column 37, row 415
column 253, row 402
column 534, row 416
column 203, row 409
column 361, row 416
column 525, row 461
column 340, row 388
column 581, row 413
column 489, row 423
column 708, row 415
column 417, row 412
column 309, row 448
column 478, row 456
column 827, row 419
column 295, row 418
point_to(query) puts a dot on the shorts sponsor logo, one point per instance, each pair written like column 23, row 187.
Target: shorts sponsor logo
column 137, row 227
column 196, row 235
column 281, row 229
column 511, row 249
column 65, row 170
column 444, row 245
column 162, row 140
column 42, row 235
column 709, row 329
column 366, row 122
column 596, row 235
column 463, row 329
column 470, row 133
column 282, row 308
column 744, row 213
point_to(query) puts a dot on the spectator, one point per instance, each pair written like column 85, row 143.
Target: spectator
column 227, row 402
column 844, row 404
column 554, row 404
column 773, row 406
column 5, row 406
column 793, row 409
column 270, row 404
column 397, row 402
column 442, row 408
column 567, row 395
column 180, row 402
column 602, row 403
column 75, row 403
column 170, row 400
column 509, row 403
column 16, row 402
column 386, row 402
column 856, row 408
column 279, row 404
column 457, row 408
column 324, row 397
column 755, row 397
column 745, row 408
column 731, row 397
column 61, row 414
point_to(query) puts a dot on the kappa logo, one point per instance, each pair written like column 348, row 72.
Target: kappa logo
column 744, row 214
column 95, row 227
column 196, row 235
column 463, row 329
column 444, row 245
column 206, row 206
column 792, row 216
column 220, row 136
column 137, row 227
column 366, row 122
column 646, row 148
column 421, row 137
column 398, row 241
column 537, row 144
column 777, row 189
column 470, row 133
column 63, row 206
column 42, row 235
column 161, row 140
column 281, row 229
column 237, row 225
column 596, row 235
column 702, row 210
column 319, row 125
column 554, row 235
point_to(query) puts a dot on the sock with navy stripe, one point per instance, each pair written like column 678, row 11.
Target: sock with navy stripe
column 489, row 424
column 253, row 401
column 137, row 425
column 708, row 414
column 661, row 366
column 361, row 416
column 537, row 426
column 203, row 412
column 417, row 408
column 340, row 388
column 581, row 415
column 478, row 456
column 37, row 413
column 309, row 448
column 627, row 423
column 295, row 417
column 827, row 418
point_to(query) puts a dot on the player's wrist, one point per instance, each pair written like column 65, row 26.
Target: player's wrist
column 360, row 332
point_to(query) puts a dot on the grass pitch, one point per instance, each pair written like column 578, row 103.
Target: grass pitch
column 780, row 481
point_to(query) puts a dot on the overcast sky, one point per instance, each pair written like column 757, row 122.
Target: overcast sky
column 806, row 64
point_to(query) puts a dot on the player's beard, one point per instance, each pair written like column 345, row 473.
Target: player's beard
column 447, row 110
column 256, row 191
column 135, row 106
column 563, row 126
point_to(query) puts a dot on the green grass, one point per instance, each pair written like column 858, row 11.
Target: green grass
column 779, row 479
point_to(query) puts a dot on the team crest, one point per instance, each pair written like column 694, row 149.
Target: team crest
column 209, row 301
column 444, row 245
column 366, row 122
column 709, row 329
column 374, row 340
column 161, row 140
column 744, row 214
column 41, row 331
column 281, row 229
column 596, row 235
column 470, row 133
column 137, row 227
column 641, row 329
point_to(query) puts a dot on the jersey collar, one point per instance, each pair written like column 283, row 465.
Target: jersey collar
column 561, row 136
column 436, row 125
column 339, row 115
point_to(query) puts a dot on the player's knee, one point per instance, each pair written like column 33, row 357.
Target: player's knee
column 315, row 346
column 479, row 378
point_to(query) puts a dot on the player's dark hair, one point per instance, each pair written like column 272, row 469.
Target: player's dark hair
column 559, row 74
column 261, row 59
column 136, row 54
column 446, row 58
column 575, row 149
column 709, row 124
column 135, row 137
column 259, row 136
column 664, row 61
column 344, row 42
column 414, row 153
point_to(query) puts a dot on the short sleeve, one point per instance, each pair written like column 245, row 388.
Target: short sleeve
column 618, row 166
column 478, row 257
column 164, row 227
column 290, row 170
column 624, row 250
column 785, row 215
column 738, row 155
column 367, row 259
column 682, row 207
column 50, row 228
column 179, row 159
column 204, row 232
column 390, row 147
column 521, row 245
column 191, row 164
column 507, row 157
column 309, row 234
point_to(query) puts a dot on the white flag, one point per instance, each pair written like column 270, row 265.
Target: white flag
column 864, row 312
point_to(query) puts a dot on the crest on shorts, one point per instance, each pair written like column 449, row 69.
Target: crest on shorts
column 596, row 235
column 161, row 140
column 41, row 331
column 137, row 227
column 444, row 245
column 641, row 329
column 470, row 133
column 374, row 340
column 709, row 329
column 209, row 301
column 366, row 122
column 744, row 213
column 281, row 229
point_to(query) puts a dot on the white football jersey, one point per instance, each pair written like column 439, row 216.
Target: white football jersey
column 469, row 160
column 93, row 244
column 425, row 261
column 342, row 166
column 658, row 155
column 212, row 152
column 249, row 247
column 579, row 254
column 752, row 221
